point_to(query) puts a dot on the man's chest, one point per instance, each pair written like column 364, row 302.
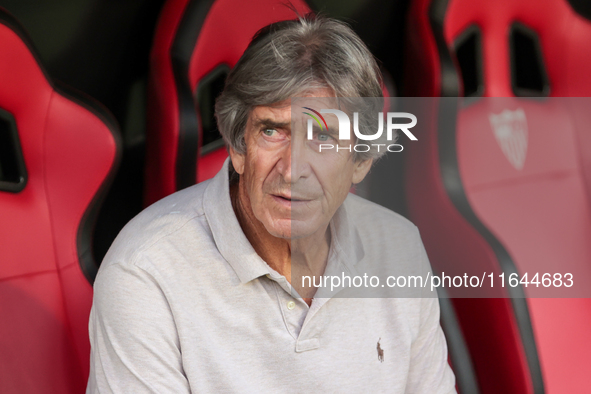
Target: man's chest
column 257, row 337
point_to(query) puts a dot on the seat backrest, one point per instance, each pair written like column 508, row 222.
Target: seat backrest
column 57, row 156
column 512, row 50
column 195, row 45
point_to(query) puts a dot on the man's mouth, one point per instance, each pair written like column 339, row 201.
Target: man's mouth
column 290, row 198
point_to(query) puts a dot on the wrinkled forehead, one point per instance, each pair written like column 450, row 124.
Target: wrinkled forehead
column 277, row 113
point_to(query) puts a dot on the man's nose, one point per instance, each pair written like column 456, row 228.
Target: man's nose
column 294, row 162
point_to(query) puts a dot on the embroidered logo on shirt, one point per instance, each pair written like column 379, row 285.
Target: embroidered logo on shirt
column 380, row 352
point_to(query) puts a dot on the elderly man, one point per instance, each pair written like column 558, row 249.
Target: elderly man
column 202, row 291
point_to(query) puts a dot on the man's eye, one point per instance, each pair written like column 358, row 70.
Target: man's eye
column 270, row 132
column 323, row 137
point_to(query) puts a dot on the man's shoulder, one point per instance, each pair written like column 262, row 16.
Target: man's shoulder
column 371, row 217
column 383, row 232
column 173, row 215
column 392, row 247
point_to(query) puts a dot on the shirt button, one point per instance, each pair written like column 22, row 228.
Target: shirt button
column 290, row 305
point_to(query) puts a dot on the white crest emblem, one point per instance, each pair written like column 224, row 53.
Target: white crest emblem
column 510, row 128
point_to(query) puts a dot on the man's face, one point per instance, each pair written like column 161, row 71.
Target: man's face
column 293, row 189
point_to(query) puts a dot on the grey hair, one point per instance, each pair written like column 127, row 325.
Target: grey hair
column 289, row 58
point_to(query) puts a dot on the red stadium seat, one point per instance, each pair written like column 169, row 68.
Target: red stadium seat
column 195, row 45
column 57, row 156
column 525, row 210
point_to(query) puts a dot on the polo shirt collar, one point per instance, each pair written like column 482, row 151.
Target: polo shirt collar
column 238, row 252
column 346, row 244
column 227, row 233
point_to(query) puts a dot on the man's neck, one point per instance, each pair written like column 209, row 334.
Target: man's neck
column 290, row 258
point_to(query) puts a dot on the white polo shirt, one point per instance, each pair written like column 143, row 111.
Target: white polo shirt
column 183, row 303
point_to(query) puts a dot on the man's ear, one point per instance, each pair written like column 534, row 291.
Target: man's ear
column 361, row 169
column 237, row 161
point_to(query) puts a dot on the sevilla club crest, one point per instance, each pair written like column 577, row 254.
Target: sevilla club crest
column 510, row 128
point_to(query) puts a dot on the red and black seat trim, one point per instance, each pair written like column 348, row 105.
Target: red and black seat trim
column 452, row 182
column 581, row 7
column 209, row 87
column 449, row 85
column 189, row 125
column 13, row 172
column 528, row 72
column 85, row 233
column 88, row 264
column 468, row 50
